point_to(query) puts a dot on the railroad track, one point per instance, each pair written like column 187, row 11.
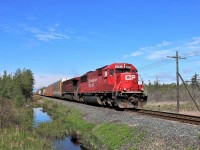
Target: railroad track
column 167, row 115
column 171, row 116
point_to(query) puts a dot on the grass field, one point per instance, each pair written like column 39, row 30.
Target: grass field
column 185, row 107
column 110, row 135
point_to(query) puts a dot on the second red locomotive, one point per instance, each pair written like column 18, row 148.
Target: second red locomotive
column 113, row 85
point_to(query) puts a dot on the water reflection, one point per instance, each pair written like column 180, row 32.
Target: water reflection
column 59, row 144
column 40, row 116
column 66, row 144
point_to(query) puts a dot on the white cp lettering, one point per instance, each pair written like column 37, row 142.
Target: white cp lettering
column 129, row 77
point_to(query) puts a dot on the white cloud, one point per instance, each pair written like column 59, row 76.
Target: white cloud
column 159, row 54
column 196, row 41
column 148, row 49
column 62, row 35
column 57, row 24
column 192, row 47
column 125, row 56
column 45, row 79
column 51, row 36
column 137, row 53
column 46, row 35
column 163, row 43
column 157, row 46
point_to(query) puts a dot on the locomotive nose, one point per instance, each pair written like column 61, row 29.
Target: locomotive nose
column 127, row 81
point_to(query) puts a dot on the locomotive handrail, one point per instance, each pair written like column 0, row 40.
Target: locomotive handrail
column 118, row 85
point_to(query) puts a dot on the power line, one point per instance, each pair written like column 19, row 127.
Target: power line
column 166, row 61
column 191, row 54
column 155, row 65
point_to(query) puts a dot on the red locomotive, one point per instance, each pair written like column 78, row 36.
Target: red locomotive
column 113, row 85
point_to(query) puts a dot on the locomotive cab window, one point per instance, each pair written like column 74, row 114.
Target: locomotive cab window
column 105, row 74
column 111, row 72
column 99, row 72
column 134, row 71
column 84, row 78
column 123, row 70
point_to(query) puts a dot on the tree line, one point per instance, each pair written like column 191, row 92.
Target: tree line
column 167, row 92
column 17, row 87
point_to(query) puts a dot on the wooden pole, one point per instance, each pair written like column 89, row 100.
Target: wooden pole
column 177, row 82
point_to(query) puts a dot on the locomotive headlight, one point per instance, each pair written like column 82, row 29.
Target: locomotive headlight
column 124, row 89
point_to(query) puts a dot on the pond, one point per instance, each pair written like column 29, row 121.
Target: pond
column 66, row 143
column 40, row 116
column 59, row 144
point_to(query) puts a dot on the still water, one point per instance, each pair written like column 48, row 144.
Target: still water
column 40, row 116
column 66, row 144
column 59, row 144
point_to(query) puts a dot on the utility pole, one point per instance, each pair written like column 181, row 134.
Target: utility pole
column 177, row 79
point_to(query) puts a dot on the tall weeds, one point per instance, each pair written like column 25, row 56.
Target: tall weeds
column 8, row 117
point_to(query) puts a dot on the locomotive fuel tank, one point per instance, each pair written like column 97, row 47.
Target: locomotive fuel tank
column 94, row 100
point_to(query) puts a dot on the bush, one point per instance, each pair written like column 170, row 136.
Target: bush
column 8, row 117
column 19, row 101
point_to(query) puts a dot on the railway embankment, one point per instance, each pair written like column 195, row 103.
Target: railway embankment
column 151, row 133
column 68, row 120
column 94, row 128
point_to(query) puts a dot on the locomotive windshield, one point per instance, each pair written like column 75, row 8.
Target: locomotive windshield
column 121, row 70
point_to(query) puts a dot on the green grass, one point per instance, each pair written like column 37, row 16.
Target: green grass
column 165, row 107
column 22, row 136
column 114, row 135
column 21, row 140
column 191, row 148
column 65, row 120
column 69, row 120
column 189, row 106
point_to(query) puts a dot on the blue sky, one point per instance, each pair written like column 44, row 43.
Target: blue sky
column 62, row 38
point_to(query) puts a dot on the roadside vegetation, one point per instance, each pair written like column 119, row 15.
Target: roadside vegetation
column 70, row 121
column 16, row 120
column 163, row 96
column 15, row 91
column 115, row 135
column 16, row 117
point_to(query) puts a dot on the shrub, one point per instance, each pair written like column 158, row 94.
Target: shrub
column 19, row 101
column 8, row 117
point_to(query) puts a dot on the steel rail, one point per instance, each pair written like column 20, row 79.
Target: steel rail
column 161, row 114
column 171, row 116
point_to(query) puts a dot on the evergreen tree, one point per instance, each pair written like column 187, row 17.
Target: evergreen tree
column 195, row 81
column 6, row 88
column 17, row 83
column 27, row 83
column 18, row 87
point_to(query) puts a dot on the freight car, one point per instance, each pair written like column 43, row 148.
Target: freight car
column 115, row 85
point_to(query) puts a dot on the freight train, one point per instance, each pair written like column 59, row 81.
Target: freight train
column 114, row 85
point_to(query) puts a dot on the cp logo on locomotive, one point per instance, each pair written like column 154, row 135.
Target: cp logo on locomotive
column 129, row 77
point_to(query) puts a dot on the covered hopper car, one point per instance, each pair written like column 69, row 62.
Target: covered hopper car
column 115, row 85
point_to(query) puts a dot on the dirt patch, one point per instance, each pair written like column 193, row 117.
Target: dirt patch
column 193, row 113
column 164, row 103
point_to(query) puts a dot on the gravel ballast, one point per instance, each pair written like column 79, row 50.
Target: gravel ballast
column 161, row 134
